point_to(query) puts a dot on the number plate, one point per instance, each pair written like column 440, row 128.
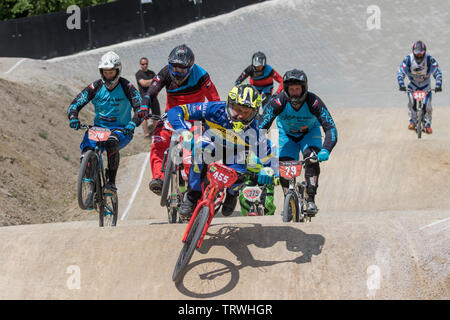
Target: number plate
column 419, row 95
column 221, row 175
column 99, row 134
column 252, row 194
column 290, row 169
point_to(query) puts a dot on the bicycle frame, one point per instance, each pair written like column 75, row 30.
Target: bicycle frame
column 100, row 135
column 212, row 191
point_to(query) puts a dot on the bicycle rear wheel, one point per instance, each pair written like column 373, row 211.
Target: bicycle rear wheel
column 191, row 243
column 290, row 208
column 86, row 180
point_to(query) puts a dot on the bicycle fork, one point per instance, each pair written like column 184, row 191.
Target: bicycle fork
column 209, row 201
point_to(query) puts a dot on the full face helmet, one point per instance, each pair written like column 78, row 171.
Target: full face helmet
column 258, row 59
column 419, row 50
column 297, row 77
column 181, row 59
column 247, row 96
column 110, row 61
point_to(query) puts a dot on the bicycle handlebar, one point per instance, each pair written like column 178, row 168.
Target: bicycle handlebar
column 88, row 126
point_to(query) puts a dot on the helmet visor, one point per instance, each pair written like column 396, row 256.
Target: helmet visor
column 259, row 61
column 240, row 113
column 178, row 70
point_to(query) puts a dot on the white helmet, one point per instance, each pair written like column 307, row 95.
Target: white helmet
column 110, row 60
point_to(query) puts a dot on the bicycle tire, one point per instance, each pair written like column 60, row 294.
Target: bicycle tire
column 89, row 159
column 100, row 200
column 172, row 214
column 419, row 124
column 167, row 175
column 191, row 243
column 114, row 206
column 290, row 208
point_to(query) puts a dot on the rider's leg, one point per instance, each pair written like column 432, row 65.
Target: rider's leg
column 197, row 174
column 115, row 142
column 428, row 113
column 160, row 142
column 411, row 111
column 312, row 142
column 288, row 150
column 229, row 205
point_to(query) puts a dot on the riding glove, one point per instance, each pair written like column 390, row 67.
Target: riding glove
column 129, row 128
column 323, row 155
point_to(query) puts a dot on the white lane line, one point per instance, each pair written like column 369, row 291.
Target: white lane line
column 15, row 66
column 434, row 223
column 141, row 176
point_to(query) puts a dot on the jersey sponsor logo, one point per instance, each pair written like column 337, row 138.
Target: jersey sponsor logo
column 92, row 86
column 315, row 103
column 156, row 80
column 277, row 100
column 208, row 85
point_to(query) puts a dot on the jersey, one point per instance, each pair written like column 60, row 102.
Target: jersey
column 216, row 125
column 112, row 108
column 297, row 123
column 196, row 88
column 419, row 74
column 262, row 80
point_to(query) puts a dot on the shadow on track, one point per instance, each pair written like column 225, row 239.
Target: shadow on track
column 208, row 278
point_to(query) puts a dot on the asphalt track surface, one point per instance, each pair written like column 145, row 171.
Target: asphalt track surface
column 382, row 231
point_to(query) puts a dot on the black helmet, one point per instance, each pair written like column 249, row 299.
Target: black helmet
column 296, row 76
column 419, row 50
column 181, row 59
column 258, row 59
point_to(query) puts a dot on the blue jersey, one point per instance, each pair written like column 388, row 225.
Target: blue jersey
column 112, row 108
column 216, row 125
column 295, row 124
column 419, row 74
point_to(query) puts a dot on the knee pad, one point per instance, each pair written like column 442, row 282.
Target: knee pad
column 112, row 148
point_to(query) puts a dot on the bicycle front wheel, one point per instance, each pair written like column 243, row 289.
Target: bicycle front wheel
column 191, row 243
column 86, row 180
column 168, row 171
column 109, row 211
column 290, row 208
column 419, row 123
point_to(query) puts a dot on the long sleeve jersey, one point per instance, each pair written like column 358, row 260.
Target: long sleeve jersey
column 196, row 88
column 112, row 108
column 262, row 80
column 296, row 123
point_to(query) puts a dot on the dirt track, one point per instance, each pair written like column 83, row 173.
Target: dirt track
column 383, row 227
column 374, row 220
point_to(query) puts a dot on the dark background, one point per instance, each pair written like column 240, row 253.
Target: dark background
column 47, row 36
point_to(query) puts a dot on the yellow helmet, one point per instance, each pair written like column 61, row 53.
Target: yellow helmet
column 247, row 96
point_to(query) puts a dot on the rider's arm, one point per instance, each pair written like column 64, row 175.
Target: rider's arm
column 83, row 99
column 158, row 82
column 436, row 72
column 133, row 97
column 273, row 109
column 209, row 90
column 318, row 109
column 278, row 78
column 179, row 115
column 244, row 75
column 402, row 71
